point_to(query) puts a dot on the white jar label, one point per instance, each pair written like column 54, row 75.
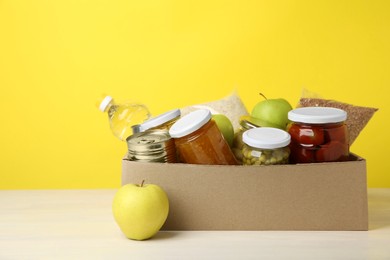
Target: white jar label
column 255, row 153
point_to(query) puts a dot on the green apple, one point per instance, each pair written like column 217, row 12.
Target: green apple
column 225, row 126
column 259, row 122
column 272, row 111
column 140, row 210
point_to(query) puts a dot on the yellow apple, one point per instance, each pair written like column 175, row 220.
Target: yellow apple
column 140, row 210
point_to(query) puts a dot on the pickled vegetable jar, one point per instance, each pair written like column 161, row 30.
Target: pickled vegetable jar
column 265, row 146
column 246, row 123
column 318, row 134
column 199, row 141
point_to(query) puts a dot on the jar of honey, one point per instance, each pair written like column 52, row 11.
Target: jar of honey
column 318, row 134
column 199, row 141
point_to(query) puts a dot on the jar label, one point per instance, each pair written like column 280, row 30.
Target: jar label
column 255, row 153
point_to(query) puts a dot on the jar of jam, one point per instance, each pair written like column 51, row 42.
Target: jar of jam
column 318, row 134
column 160, row 122
column 265, row 146
column 198, row 140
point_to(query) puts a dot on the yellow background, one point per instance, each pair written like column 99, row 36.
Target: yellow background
column 57, row 57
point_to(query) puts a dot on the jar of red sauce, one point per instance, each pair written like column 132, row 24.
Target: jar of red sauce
column 318, row 134
column 198, row 140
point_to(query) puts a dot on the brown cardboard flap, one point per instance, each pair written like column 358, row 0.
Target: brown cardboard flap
column 322, row 196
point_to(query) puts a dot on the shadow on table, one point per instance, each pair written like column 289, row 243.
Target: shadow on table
column 165, row 235
column 378, row 209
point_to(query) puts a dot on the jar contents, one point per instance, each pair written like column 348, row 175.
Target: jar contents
column 199, row 141
column 318, row 134
column 151, row 146
column 246, row 123
column 265, row 146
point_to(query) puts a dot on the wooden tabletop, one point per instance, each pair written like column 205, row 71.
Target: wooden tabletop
column 78, row 224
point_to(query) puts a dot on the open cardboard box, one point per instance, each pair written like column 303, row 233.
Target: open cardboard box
column 321, row 196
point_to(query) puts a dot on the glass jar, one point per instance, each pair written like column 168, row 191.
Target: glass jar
column 198, row 140
column 160, row 122
column 151, row 146
column 318, row 134
column 245, row 124
column 265, row 146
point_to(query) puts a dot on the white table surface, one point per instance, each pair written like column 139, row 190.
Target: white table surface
column 78, row 224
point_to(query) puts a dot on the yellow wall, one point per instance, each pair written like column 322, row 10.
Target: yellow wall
column 57, row 57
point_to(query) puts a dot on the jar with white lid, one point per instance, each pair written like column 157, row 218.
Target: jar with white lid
column 160, row 122
column 246, row 123
column 265, row 146
column 318, row 134
column 198, row 140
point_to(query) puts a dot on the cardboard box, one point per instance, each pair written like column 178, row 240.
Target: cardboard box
column 322, row 196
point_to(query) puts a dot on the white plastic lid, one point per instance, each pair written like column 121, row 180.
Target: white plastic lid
column 317, row 115
column 190, row 123
column 159, row 120
column 266, row 138
column 103, row 105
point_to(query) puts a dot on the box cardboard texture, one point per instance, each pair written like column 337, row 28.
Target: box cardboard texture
column 322, row 196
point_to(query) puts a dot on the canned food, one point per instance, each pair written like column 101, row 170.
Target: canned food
column 265, row 146
column 151, row 146
column 318, row 134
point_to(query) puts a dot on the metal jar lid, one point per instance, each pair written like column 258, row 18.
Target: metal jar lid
column 151, row 146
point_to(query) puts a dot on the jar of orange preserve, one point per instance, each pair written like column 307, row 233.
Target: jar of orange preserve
column 199, row 141
column 318, row 134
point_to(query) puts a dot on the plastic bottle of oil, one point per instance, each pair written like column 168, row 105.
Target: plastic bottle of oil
column 122, row 116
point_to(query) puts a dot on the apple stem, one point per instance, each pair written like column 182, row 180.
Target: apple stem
column 142, row 183
column 261, row 94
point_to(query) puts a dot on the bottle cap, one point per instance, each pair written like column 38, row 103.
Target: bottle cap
column 105, row 102
column 266, row 138
column 190, row 123
column 317, row 115
column 159, row 120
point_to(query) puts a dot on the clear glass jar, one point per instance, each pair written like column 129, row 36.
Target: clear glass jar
column 245, row 124
column 265, row 146
column 198, row 140
column 318, row 134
